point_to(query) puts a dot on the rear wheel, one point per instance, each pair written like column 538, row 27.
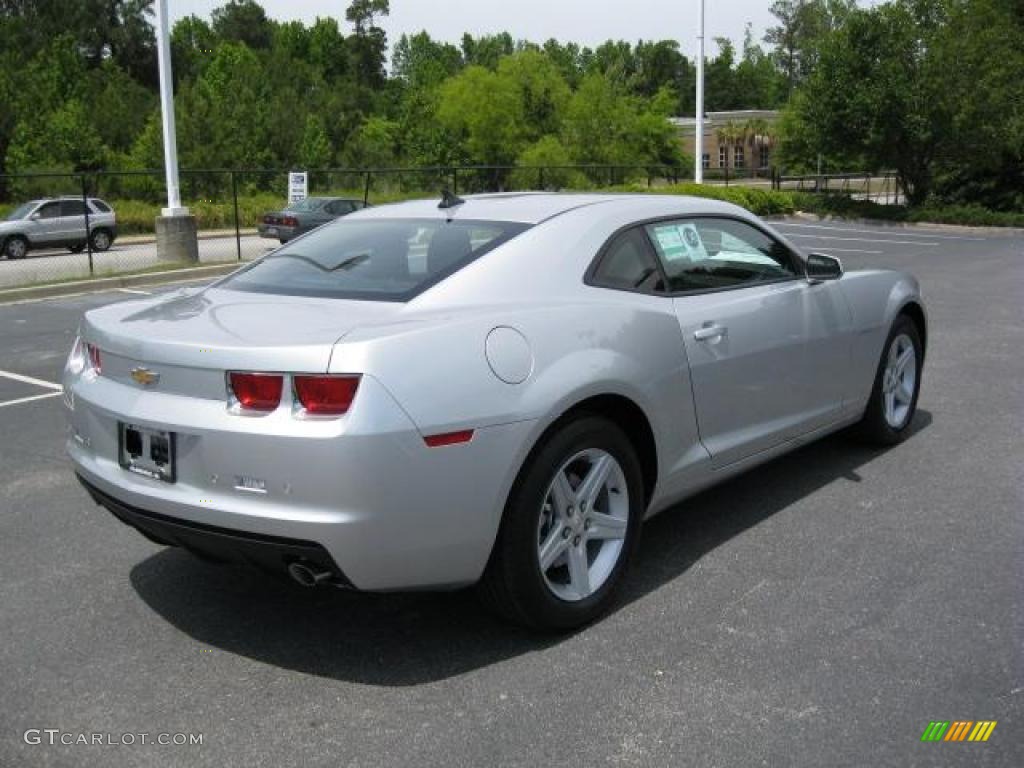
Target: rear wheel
column 897, row 384
column 570, row 528
column 16, row 247
column 101, row 240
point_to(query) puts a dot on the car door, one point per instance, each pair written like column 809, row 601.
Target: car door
column 72, row 221
column 46, row 224
column 766, row 349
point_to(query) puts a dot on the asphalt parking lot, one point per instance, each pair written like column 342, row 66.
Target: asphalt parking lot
column 820, row 610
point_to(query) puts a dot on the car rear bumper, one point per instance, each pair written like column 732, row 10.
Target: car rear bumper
column 271, row 553
column 277, row 232
column 389, row 512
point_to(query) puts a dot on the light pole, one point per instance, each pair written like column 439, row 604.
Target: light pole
column 176, row 236
column 698, row 160
column 163, row 54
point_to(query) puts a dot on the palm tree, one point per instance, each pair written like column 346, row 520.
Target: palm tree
column 729, row 135
column 762, row 134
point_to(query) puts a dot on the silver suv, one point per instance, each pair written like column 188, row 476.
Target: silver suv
column 57, row 223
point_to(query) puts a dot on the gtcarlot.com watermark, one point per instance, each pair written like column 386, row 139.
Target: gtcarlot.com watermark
column 56, row 737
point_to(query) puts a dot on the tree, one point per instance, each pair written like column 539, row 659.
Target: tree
column 243, row 21
column 368, row 46
column 874, row 100
column 802, row 24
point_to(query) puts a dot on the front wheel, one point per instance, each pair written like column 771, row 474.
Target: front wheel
column 897, row 384
column 571, row 525
column 16, row 247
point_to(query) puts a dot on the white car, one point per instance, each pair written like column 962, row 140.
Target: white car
column 491, row 391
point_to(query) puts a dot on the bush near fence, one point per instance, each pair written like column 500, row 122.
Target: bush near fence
column 763, row 202
column 842, row 206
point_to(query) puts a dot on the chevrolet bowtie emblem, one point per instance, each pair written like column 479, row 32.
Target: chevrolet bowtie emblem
column 144, row 376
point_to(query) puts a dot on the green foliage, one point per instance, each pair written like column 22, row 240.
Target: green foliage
column 762, row 202
column 931, row 88
column 547, row 153
column 841, row 206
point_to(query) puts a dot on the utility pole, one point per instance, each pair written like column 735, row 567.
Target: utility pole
column 176, row 237
column 698, row 160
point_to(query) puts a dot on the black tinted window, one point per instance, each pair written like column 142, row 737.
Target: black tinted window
column 628, row 264
column 701, row 254
column 100, row 206
column 72, row 208
column 49, row 211
column 385, row 259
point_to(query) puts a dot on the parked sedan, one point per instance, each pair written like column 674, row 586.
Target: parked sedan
column 57, row 223
column 496, row 391
column 302, row 216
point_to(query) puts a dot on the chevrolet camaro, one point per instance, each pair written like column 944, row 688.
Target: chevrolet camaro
column 495, row 390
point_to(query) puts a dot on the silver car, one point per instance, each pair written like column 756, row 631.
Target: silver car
column 57, row 223
column 492, row 391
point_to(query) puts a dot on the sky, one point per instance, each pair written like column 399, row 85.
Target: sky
column 588, row 22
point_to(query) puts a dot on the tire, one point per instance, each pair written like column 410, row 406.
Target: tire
column 600, row 540
column 16, row 247
column 886, row 421
column 77, row 247
column 101, row 240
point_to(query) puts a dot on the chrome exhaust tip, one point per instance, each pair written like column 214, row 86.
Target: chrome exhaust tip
column 306, row 576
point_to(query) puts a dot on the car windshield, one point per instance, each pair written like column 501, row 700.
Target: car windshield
column 309, row 204
column 378, row 259
column 20, row 212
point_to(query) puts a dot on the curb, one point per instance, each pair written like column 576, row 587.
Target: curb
column 80, row 287
column 886, row 224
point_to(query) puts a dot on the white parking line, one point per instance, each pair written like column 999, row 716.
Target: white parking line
column 929, row 235
column 30, row 380
column 854, row 250
column 30, row 399
column 132, row 290
column 865, row 240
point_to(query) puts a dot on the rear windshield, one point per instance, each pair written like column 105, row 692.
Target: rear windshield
column 21, row 211
column 306, row 204
column 378, row 259
column 100, row 206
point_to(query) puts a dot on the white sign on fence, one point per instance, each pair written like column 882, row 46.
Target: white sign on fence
column 298, row 186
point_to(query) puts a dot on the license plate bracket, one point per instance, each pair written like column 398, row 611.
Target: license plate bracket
column 145, row 451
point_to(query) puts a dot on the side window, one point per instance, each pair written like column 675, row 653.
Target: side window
column 703, row 254
column 100, row 206
column 72, row 208
column 627, row 264
column 49, row 211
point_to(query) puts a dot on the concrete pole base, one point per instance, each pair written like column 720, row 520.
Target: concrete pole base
column 176, row 239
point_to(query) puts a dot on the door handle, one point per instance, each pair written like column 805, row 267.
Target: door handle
column 711, row 332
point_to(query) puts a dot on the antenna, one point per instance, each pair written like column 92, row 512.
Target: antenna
column 448, row 200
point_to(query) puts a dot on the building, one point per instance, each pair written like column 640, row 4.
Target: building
column 738, row 142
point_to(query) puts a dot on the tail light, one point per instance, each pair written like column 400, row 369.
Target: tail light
column 257, row 391
column 326, row 395
column 289, row 221
column 95, row 361
column 268, row 219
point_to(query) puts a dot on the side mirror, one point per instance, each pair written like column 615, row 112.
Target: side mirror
column 35, row 216
column 821, row 267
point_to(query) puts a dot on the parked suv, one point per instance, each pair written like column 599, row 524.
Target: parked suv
column 57, row 223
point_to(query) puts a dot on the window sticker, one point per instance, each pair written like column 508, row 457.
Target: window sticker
column 695, row 250
column 671, row 242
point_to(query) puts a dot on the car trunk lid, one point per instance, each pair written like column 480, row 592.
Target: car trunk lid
column 192, row 338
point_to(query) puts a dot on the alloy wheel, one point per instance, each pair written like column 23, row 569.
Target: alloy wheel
column 582, row 526
column 899, row 381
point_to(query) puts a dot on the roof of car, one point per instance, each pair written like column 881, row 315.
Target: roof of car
column 535, row 207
